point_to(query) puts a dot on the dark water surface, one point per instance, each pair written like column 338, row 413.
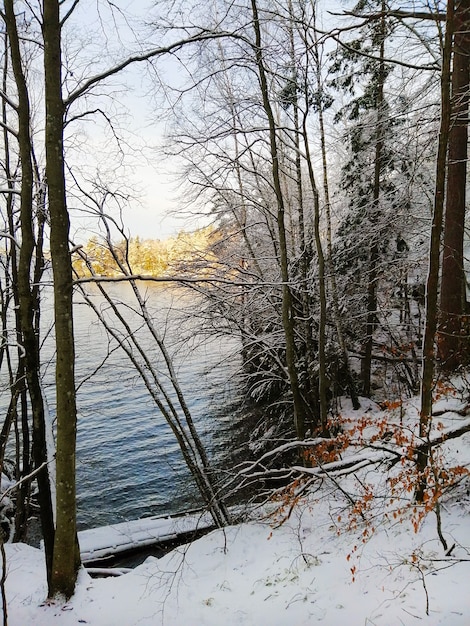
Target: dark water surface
column 128, row 461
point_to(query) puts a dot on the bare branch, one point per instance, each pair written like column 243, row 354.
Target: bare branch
column 433, row 67
column 91, row 82
column 9, row 129
column 69, row 12
column 7, row 235
column 8, row 100
column 23, row 480
column 169, row 279
column 399, row 14
column 448, row 433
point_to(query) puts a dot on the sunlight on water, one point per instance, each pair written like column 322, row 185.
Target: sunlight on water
column 128, row 461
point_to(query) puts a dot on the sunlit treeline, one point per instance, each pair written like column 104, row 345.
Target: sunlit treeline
column 154, row 257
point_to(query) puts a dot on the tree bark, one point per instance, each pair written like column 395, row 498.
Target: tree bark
column 66, row 552
column 315, row 385
column 329, row 245
column 371, row 319
column 26, row 302
column 432, row 283
column 453, row 343
column 322, row 377
column 287, row 307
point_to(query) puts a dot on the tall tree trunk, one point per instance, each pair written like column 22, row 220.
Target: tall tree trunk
column 66, row 559
column 371, row 319
column 432, row 283
column 322, row 378
column 313, row 394
column 453, row 343
column 18, row 386
column 329, row 245
column 25, row 298
column 288, row 321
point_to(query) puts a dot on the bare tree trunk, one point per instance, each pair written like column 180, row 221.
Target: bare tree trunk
column 10, row 293
column 312, row 393
column 25, row 298
column 432, row 284
column 453, row 343
column 322, row 378
column 288, row 321
column 3, row 578
column 66, row 558
column 371, row 320
column 329, row 261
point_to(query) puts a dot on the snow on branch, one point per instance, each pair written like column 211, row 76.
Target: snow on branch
column 378, row 454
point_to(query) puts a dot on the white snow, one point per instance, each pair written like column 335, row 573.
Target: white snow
column 5, row 483
column 104, row 541
column 317, row 566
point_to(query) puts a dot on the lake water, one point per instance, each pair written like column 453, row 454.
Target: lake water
column 128, row 461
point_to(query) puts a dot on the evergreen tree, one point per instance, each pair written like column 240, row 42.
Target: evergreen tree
column 373, row 239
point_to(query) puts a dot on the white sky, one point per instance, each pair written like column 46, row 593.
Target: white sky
column 153, row 213
column 149, row 177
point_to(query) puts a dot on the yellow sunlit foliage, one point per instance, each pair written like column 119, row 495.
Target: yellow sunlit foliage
column 152, row 257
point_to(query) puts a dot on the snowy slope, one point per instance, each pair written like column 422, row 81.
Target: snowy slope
column 317, row 566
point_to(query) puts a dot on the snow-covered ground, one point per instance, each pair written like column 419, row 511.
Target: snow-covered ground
column 339, row 558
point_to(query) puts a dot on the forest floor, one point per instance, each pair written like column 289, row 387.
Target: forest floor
column 351, row 550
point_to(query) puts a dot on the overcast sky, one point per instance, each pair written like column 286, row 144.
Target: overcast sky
column 152, row 213
column 93, row 31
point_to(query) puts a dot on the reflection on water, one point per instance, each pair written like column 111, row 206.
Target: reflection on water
column 128, row 461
